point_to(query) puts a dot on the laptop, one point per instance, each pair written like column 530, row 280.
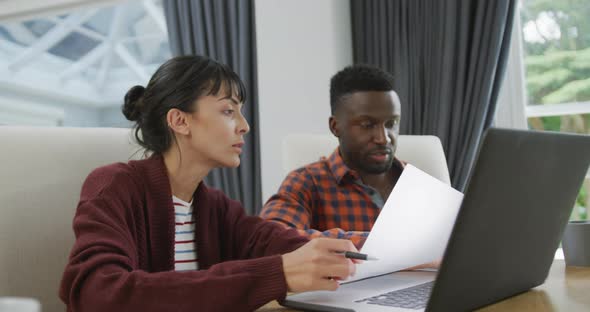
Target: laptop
column 517, row 202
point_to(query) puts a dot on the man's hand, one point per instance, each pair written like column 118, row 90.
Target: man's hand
column 432, row 265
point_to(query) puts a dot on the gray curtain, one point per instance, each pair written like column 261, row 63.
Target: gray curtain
column 224, row 30
column 448, row 59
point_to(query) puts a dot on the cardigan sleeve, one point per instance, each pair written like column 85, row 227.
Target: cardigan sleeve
column 255, row 237
column 103, row 273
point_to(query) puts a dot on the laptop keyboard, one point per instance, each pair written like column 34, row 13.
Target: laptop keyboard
column 414, row 297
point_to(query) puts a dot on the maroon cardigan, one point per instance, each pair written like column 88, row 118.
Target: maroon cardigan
column 123, row 257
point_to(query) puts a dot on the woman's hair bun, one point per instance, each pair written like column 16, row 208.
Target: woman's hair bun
column 133, row 102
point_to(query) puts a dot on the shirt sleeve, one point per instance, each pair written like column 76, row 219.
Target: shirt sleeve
column 293, row 205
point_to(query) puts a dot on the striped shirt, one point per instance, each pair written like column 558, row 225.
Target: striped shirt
column 328, row 199
column 185, row 247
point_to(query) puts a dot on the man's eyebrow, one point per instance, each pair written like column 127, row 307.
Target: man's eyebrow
column 231, row 98
column 378, row 117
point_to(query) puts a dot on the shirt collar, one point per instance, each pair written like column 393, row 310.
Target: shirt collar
column 338, row 168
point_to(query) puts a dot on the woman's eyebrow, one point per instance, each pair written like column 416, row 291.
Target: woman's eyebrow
column 231, row 98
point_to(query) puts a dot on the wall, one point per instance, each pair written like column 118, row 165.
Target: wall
column 301, row 44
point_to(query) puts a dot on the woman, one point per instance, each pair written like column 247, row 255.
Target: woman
column 151, row 237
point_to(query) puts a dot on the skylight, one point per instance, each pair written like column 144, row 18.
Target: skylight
column 91, row 56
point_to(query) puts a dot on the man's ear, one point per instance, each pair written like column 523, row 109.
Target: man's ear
column 333, row 123
column 178, row 121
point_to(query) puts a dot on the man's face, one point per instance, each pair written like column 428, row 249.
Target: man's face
column 367, row 126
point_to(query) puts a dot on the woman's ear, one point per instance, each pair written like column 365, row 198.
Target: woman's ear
column 178, row 121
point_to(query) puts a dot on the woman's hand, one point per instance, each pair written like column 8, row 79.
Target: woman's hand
column 317, row 265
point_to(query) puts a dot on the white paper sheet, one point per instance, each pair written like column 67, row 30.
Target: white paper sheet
column 414, row 224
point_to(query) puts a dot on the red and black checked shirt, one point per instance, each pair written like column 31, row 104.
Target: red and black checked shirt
column 327, row 199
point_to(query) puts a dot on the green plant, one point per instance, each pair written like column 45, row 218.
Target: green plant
column 582, row 201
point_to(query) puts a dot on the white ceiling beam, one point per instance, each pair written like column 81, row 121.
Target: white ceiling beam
column 111, row 41
column 132, row 63
column 90, row 33
column 54, row 19
column 81, row 29
column 20, row 32
column 53, row 36
column 157, row 13
column 5, row 47
column 84, row 62
column 14, row 49
column 142, row 37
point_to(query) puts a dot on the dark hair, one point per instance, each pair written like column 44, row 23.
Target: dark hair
column 358, row 78
column 178, row 83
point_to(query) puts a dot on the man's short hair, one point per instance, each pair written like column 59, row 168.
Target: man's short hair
column 358, row 78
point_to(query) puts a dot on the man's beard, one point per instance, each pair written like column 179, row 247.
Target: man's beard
column 373, row 168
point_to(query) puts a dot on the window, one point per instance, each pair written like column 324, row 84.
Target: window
column 73, row 69
column 556, row 57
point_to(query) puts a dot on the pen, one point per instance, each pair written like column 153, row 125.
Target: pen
column 357, row 255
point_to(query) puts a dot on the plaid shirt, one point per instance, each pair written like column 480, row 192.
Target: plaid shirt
column 327, row 199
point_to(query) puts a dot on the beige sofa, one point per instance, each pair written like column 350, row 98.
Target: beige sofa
column 41, row 172
column 423, row 151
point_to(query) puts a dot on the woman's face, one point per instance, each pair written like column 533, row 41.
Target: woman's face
column 217, row 129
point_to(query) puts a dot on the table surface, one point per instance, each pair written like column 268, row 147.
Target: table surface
column 566, row 289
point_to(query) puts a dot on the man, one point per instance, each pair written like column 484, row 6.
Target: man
column 342, row 195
